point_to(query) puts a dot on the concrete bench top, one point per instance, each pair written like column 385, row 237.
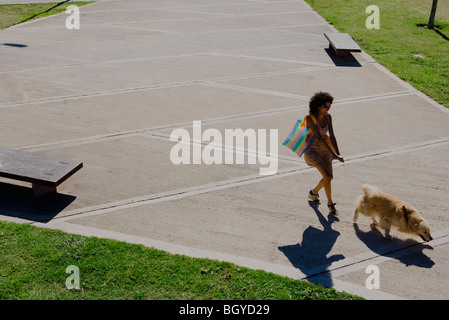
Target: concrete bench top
column 342, row 41
column 36, row 168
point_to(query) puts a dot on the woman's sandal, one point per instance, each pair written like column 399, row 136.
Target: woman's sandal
column 333, row 211
column 314, row 197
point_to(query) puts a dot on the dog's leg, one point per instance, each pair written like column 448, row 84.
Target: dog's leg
column 387, row 226
column 356, row 215
column 374, row 224
column 358, row 208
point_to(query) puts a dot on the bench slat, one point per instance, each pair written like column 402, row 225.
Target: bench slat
column 36, row 168
column 342, row 43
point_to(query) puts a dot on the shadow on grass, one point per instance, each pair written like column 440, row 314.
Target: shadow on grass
column 43, row 12
column 436, row 28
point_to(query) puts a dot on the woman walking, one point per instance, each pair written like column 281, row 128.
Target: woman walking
column 323, row 148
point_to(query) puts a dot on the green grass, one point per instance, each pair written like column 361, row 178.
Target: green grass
column 34, row 261
column 401, row 39
column 12, row 14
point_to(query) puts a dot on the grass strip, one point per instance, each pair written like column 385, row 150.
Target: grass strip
column 34, row 262
column 12, row 14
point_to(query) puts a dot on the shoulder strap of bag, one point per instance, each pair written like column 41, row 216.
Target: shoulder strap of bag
column 303, row 123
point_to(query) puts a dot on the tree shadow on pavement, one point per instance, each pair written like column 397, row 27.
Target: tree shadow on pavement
column 310, row 256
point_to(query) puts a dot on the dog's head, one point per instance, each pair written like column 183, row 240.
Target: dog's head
column 423, row 231
column 417, row 224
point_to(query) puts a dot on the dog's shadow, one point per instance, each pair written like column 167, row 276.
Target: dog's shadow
column 409, row 252
column 310, row 256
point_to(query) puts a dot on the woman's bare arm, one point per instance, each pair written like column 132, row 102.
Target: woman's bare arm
column 333, row 139
column 318, row 136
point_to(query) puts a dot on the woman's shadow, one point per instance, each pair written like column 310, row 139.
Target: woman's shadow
column 310, row 256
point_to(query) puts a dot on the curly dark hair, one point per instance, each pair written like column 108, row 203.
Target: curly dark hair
column 317, row 100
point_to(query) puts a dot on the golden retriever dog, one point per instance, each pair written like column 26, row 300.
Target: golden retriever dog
column 391, row 212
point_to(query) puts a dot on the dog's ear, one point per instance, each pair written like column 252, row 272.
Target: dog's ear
column 404, row 209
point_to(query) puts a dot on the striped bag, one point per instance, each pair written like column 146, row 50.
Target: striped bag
column 300, row 138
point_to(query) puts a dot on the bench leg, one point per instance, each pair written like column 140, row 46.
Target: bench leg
column 338, row 53
column 342, row 53
column 41, row 189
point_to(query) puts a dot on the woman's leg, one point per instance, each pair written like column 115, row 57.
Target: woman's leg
column 318, row 187
column 326, row 172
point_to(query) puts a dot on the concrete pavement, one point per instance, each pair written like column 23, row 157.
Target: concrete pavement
column 111, row 93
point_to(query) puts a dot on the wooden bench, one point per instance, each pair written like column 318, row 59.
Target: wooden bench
column 45, row 173
column 342, row 43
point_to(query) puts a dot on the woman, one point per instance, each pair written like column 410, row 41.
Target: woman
column 323, row 148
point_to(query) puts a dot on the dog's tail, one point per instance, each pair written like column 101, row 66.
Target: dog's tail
column 359, row 207
column 359, row 201
column 368, row 189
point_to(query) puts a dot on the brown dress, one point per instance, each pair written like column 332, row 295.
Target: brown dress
column 318, row 153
